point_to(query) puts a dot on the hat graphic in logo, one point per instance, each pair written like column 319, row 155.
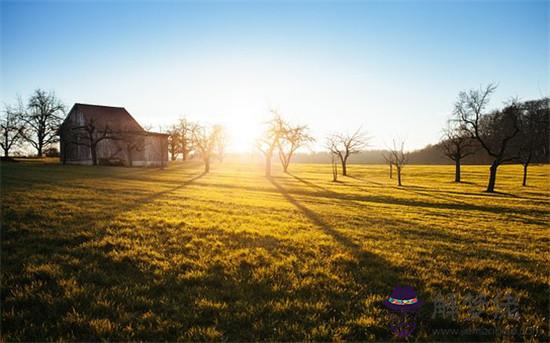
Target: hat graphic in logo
column 403, row 299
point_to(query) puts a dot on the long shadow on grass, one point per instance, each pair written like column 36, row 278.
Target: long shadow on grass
column 73, row 246
column 310, row 184
column 391, row 200
column 376, row 267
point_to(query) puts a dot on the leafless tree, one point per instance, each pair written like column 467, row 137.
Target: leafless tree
column 90, row 135
column 269, row 142
column 221, row 142
column 12, row 127
column 493, row 131
column 174, row 142
column 133, row 142
column 334, row 166
column 186, row 129
column 205, row 140
column 292, row 138
column 43, row 118
column 345, row 145
column 388, row 158
column 533, row 137
column 457, row 144
column 399, row 158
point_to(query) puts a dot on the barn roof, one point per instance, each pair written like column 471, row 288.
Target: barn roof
column 114, row 117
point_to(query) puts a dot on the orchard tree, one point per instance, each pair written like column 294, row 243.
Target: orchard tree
column 205, row 140
column 132, row 142
column 186, row 129
column 534, row 133
column 90, row 134
column 399, row 158
column 12, row 127
column 456, row 144
column 270, row 140
column 345, row 145
column 221, row 142
column 389, row 160
column 43, row 117
column 292, row 138
column 174, row 142
column 494, row 131
column 333, row 162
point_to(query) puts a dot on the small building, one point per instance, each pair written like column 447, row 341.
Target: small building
column 94, row 134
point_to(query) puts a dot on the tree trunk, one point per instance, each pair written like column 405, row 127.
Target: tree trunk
column 525, row 174
column 130, row 159
column 492, row 177
column 207, row 165
column 391, row 170
column 94, row 154
column 457, row 170
column 398, row 175
column 5, row 152
column 39, row 151
column 285, row 166
column 334, row 170
column 344, row 167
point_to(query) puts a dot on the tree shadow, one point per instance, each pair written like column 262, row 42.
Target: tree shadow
column 74, row 249
column 311, row 184
column 373, row 263
column 391, row 200
column 366, row 180
column 154, row 196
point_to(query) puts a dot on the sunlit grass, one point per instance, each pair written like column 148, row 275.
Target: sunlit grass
column 118, row 253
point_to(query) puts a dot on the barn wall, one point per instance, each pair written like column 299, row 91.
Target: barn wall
column 155, row 152
column 77, row 154
column 152, row 149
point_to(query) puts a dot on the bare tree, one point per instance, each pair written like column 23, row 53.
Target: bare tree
column 493, row 130
column 534, row 133
column 456, row 144
column 174, row 142
column 388, row 158
column 292, row 138
column 205, row 139
column 334, row 166
column 12, row 127
column 89, row 135
column 43, row 118
column 133, row 142
column 221, row 142
column 269, row 142
column 345, row 145
column 399, row 158
column 186, row 128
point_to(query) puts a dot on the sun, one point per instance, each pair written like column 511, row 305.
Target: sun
column 242, row 134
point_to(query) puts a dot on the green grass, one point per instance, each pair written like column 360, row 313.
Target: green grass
column 146, row 254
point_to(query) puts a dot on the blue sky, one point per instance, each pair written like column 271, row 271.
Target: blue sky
column 393, row 67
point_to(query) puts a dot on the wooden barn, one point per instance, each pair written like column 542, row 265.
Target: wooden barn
column 94, row 134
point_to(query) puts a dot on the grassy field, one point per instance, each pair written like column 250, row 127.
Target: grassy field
column 147, row 254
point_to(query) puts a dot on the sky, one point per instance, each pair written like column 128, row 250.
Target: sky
column 392, row 68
